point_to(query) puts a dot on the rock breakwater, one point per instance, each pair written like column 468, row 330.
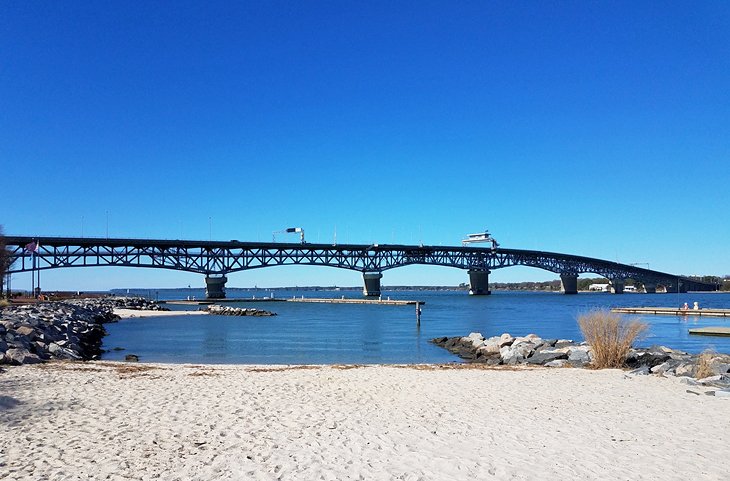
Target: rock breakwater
column 237, row 311
column 532, row 349
column 72, row 329
column 111, row 303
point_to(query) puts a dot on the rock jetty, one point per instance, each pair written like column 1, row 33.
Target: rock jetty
column 73, row 329
column 532, row 349
column 111, row 303
column 219, row 310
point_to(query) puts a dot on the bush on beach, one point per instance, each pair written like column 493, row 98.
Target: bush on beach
column 610, row 336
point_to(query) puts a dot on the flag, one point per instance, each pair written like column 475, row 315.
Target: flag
column 32, row 246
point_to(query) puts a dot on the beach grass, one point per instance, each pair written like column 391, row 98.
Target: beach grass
column 610, row 336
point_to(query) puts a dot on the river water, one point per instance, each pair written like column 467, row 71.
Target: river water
column 308, row 333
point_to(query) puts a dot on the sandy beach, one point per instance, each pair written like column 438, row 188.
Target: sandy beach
column 130, row 313
column 103, row 420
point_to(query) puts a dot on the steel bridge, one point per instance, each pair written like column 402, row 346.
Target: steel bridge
column 217, row 259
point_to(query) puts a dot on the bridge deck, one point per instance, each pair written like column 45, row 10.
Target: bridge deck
column 216, row 259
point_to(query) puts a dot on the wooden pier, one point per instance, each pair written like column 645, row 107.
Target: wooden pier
column 382, row 302
column 673, row 311
column 710, row 331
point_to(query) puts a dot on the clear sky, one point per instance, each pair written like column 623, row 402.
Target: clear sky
column 590, row 128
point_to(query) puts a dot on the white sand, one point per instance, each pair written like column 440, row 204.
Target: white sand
column 96, row 421
column 129, row 313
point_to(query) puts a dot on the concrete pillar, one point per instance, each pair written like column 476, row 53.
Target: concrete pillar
column 372, row 283
column 479, row 283
column 618, row 286
column 650, row 288
column 215, row 287
column 569, row 283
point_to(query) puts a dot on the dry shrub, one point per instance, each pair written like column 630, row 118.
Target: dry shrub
column 610, row 337
column 703, row 368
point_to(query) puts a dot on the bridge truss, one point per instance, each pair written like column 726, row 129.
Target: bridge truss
column 221, row 258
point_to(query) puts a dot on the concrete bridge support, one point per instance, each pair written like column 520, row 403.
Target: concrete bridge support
column 650, row 288
column 371, row 283
column 215, row 287
column 479, row 283
column 618, row 286
column 569, row 283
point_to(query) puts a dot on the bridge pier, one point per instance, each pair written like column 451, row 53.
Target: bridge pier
column 371, row 280
column 618, row 286
column 215, row 287
column 479, row 282
column 650, row 288
column 569, row 283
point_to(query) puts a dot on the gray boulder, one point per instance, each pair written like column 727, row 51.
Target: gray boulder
column 489, row 347
column 516, row 353
column 661, row 368
column 26, row 331
column 684, row 369
column 21, row 356
column 545, row 357
column 641, row 371
column 579, row 354
column 506, row 340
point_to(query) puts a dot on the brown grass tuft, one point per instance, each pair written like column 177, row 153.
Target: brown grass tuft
column 210, row 373
column 344, row 367
column 704, row 360
column 66, row 365
column 284, row 368
column 465, row 366
column 610, row 337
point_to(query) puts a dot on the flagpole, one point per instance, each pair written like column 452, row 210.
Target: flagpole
column 32, row 276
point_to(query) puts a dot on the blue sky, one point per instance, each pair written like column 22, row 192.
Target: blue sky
column 599, row 129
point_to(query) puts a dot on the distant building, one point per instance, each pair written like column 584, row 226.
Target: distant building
column 598, row 287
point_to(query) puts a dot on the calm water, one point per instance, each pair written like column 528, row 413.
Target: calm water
column 338, row 333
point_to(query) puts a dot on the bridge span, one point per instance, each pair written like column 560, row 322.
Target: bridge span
column 217, row 259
